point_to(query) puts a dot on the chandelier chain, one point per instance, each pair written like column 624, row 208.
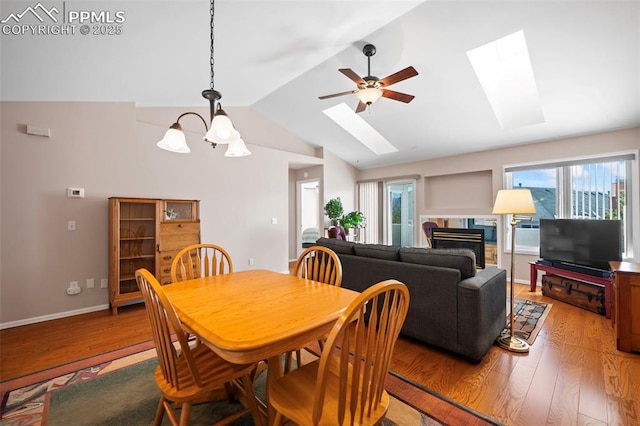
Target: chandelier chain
column 211, row 60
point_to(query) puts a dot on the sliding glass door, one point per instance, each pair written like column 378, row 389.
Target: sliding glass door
column 400, row 211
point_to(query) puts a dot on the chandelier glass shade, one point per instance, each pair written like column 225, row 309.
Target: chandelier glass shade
column 174, row 140
column 220, row 131
column 237, row 149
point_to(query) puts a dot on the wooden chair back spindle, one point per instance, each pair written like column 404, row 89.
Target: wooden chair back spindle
column 200, row 260
column 319, row 263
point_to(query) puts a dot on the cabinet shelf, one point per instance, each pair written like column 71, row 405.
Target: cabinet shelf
column 152, row 237
column 144, row 256
column 127, row 277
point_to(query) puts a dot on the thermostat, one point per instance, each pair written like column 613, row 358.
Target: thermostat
column 75, row 192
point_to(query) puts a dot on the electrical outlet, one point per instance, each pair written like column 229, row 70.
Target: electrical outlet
column 73, row 288
column 250, row 261
column 90, row 282
column 103, row 283
column 71, row 225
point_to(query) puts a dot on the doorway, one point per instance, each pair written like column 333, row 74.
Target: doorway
column 400, row 212
column 308, row 211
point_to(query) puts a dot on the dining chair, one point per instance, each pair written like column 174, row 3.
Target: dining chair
column 200, row 260
column 317, row 263
column 346, row 385
column 186, row 375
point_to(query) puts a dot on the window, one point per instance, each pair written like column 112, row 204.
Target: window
column 580, row 189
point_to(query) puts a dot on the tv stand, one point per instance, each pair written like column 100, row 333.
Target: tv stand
column 534, row 267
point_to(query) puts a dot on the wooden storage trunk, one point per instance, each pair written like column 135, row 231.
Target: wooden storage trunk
column 579, row 293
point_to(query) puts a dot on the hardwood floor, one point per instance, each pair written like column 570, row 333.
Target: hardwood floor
column 573, row 374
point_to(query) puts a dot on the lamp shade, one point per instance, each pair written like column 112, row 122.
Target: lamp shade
column 174, row 140
column 237, row 149
column 514, row 201
column 369, row 95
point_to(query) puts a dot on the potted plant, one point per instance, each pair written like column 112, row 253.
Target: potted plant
column 354, row 219
column 333, row 209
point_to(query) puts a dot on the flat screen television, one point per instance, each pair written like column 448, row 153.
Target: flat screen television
column 582, row 242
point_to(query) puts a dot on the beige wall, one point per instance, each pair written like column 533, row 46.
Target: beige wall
column 109, row 150
column 474, row 179
column 339, row 181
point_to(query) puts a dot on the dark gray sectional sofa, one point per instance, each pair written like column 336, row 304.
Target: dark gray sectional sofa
column 453, row 306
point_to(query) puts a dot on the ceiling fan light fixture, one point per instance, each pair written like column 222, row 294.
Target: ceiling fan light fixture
column 369, row 95
column 174, row 140
column 371, row 88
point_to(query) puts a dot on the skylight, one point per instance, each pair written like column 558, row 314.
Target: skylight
column 505, row 73
column 346, row 118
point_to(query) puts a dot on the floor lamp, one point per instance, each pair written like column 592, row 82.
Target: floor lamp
column 516, row 202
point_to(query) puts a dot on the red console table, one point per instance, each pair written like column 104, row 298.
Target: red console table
column 606, row 282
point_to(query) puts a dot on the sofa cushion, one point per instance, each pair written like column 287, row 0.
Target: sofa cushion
column 339, row 246
column 463, row 260
column 376, row 251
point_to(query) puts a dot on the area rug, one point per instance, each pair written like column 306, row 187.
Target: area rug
column 529, row 318
column 122, row 391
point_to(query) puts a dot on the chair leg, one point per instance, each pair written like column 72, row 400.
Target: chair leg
column 185, row 414
column 170, row 411
column 277, row 421
column 159, row 412
column 228, row 387
column 298, row 358
column 247, row 383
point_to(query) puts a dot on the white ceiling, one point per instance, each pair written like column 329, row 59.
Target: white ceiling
column 279, row 56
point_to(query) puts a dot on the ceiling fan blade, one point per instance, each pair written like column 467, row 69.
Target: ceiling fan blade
column 404, row 74
column 337, row 94
column 397, row 96
column 361, row 107
column 352, row 75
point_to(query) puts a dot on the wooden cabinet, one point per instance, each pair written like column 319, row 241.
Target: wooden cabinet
column 146, row 233
column 180, row 228
column 626, row 290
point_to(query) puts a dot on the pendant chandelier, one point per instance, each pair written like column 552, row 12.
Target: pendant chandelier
column 221, row 129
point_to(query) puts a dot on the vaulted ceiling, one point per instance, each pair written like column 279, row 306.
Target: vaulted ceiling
column 279, row 56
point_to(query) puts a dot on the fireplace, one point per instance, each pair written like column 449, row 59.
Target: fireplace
column 461, row 238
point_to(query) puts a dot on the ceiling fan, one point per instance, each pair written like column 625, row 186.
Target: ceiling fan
column 371, row 88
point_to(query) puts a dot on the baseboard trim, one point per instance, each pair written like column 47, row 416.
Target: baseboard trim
column 57, row 315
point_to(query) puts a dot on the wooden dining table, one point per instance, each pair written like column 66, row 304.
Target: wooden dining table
column 250, row 316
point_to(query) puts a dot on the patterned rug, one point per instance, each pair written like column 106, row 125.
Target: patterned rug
column 122, row 391
column 529, row 317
